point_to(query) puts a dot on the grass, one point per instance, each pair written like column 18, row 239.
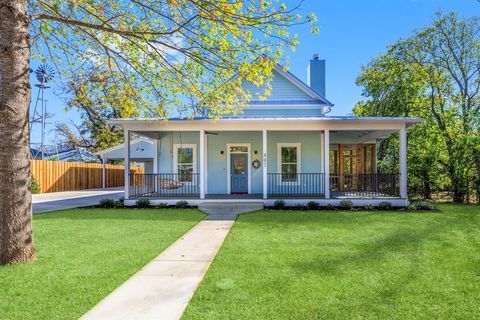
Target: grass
column 83, row 254
column 346, row 265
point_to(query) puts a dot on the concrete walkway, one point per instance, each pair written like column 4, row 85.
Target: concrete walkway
column 163, row 288
column 225, row 208
column 45, row 202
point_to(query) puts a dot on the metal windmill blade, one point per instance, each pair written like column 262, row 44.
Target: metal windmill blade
column 44, row 73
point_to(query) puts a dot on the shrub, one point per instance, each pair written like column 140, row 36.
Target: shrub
column 108, row 203
column 34, row 186
column 384, row 205
column 330, row 207
column 279, row 205
column 367, row 207
column 312, row 205
column 299, row 207
column 346, row 205
column 411, row 206
column 181, row 204
column 162, row 205
column 143, row 203
column 424, row 205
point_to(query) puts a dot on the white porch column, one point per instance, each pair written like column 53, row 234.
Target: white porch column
column 155, row 156
column 403, row 163
column 265, row 163
column 104, row 176
column 205, row 156
column 126, row 134
column 202, row 164
column 326, row 162
column 154, row 182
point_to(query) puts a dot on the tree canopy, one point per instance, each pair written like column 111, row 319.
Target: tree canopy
column 131, row 57
column 166, row 53
column 434, row 74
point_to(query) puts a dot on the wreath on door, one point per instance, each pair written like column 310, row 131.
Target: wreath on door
column 256, row 164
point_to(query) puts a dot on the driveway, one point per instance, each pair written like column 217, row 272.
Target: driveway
column 73, row 199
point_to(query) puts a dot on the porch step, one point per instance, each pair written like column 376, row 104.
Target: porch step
column 216, row 208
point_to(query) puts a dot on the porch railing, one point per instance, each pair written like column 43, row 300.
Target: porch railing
column 295, row 185
column 280, row 185
column 365, row 185
column 167, row 185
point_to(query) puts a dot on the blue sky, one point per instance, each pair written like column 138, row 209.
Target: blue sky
column 352, row 33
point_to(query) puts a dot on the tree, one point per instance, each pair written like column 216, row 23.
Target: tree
column 16, row 241
column 397, row 89
column 162, row 50
column 444, row 66
column 97, row 99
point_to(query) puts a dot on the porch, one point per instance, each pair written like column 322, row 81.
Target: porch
column 306, row 186
column 245, row 163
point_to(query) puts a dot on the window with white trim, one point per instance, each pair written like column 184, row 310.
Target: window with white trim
column 185, row 161
column 288, row 155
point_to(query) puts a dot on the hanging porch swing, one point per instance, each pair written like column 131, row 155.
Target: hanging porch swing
column 172, row 182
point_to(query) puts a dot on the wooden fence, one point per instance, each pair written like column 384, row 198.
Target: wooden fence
column 54, row 176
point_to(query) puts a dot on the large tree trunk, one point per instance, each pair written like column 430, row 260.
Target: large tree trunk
column 477, row 189
column 16, row 240
column 458, row 194
column 427, row 189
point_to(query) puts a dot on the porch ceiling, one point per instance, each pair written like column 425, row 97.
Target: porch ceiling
column 359, row 136
column 343, row 137
column 150, row 134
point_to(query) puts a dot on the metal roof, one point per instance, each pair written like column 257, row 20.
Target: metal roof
column 271, row 118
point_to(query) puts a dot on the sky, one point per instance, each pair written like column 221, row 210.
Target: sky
column 352, row 33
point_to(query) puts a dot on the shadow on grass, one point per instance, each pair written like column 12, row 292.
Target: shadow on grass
column 326, row 218
column 122, row 214
column 407, row 240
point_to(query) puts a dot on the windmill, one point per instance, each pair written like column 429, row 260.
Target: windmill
column 44, row 74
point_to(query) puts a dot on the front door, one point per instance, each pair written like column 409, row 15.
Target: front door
column 239, row 173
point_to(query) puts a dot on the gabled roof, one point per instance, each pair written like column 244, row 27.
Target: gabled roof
column 121, row 145
column 301, row 85
column 316, row 97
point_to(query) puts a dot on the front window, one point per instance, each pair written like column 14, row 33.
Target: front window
column 185, row 162
column 289, row 161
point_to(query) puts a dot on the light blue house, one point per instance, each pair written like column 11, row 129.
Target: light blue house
column 285, row 147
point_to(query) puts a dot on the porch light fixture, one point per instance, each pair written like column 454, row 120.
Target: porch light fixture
column 255, row 152
column 222, row 153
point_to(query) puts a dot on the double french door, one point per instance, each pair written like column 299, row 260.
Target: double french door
column 348, row 163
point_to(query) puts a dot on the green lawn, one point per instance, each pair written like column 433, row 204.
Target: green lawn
column 84, row 254
column 346, row 265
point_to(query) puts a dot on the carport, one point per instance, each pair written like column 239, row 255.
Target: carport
column 141, row 153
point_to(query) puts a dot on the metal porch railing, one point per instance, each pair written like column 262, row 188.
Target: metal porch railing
column 164, row 185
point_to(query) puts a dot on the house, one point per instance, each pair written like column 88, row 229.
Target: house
column 63, row 153
column 141, row 154
column 285, row 147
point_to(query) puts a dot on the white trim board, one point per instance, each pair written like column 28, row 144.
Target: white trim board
column 249, row 160
column 259, row 124
column 396, row 202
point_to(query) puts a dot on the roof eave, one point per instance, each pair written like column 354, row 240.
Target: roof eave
column 407, row 121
